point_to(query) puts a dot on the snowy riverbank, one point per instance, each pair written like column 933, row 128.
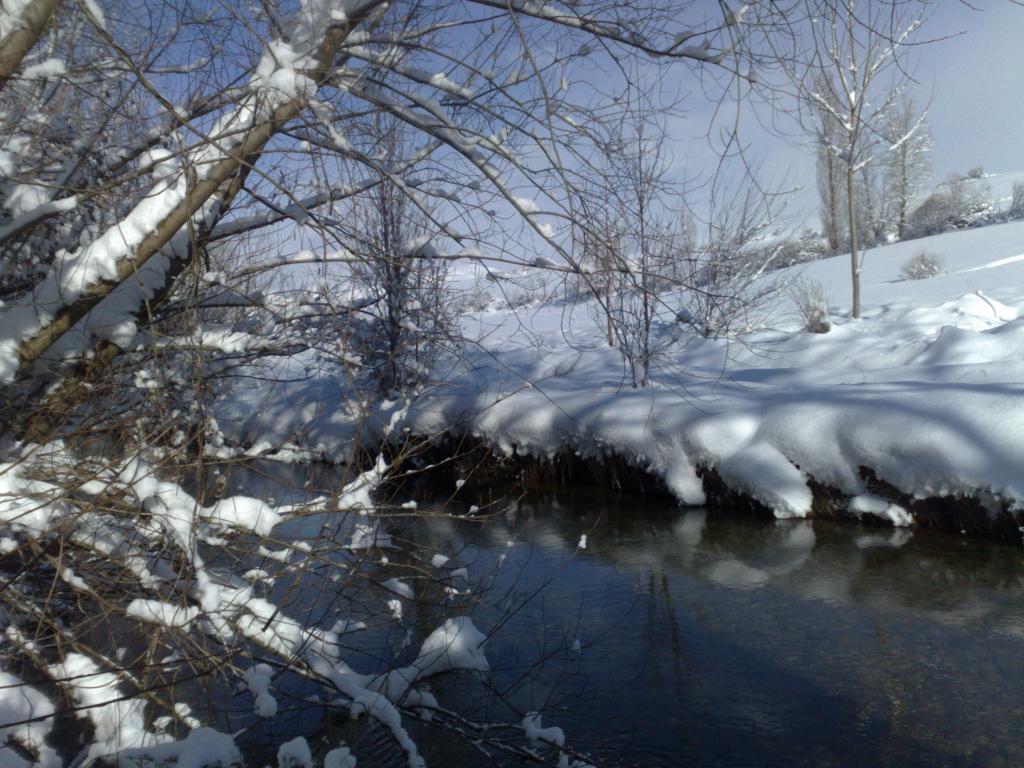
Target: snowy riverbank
column 926, row 390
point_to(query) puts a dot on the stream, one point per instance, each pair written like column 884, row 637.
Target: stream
column 696, row 637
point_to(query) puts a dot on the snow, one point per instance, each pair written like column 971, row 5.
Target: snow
column 244, row 513
column 395, row 606
column 27, row 506
column 294, row 754
column 398, row 587
column 45, row 207
column 341, row 757
column 24, row 198
column 10, row 16
column 869, row 504
column 159, row 612
column 49, row 68
column 68, row 575
column 96, row 12
column 764, row 473
column 278, row 70
column 537, row 734
column 369, row 536
column 528, row 205
column 924, row 389
column 257, row 680
column 119, row 723
column 457, row 644
column 161, row 161
column 202, row 748
column 18, row 703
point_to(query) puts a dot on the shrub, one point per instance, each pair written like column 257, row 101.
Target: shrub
column 923, row 265
column 959, row 202
column 1017, row 201
column 811, row 300
column 932, row 216
column 810, row 246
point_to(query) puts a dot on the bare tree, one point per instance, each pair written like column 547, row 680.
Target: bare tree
column 395, row 245
column 855, row 67
column 632, row 238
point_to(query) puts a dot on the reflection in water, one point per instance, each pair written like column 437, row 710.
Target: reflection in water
column 716, row 639
column 706, row 638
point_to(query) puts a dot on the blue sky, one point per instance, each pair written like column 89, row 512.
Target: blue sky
column 977, row 112
column 971, row 76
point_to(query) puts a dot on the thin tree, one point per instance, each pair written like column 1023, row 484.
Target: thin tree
column 854, row 73
column 831, row 189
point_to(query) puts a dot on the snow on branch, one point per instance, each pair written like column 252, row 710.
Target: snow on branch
column 284, row 80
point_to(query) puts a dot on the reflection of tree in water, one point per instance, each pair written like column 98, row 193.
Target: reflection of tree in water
column 663, row 630
column 697, row 614
column 895, row 574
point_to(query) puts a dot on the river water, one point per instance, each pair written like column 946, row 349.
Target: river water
column 709, row 638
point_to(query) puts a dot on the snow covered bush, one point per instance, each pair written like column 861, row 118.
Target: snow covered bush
column 931, row 217
column 1016, row 211
column 811, row 300
column 727, row 281
column 923, row 265
column 958, row 203
column 809, row 246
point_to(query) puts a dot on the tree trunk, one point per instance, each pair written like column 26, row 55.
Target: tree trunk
column 851, row 211
column 833, row 212
column 14, row 47
column 236, row 160
column 901, row 225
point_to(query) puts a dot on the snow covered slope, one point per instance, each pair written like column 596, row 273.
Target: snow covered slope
column 926, row 390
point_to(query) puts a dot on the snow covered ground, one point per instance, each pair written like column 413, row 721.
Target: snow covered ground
column 926, row 390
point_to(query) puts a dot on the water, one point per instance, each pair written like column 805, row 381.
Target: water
column 713, row 639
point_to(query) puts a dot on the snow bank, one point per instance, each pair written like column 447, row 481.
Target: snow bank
column 925, row 390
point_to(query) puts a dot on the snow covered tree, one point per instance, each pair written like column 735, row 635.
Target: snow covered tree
column 215, row 121
column 176, row 177
column 850, row 81
column 185, row 185
column 908, row 162
column 1016, row 211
